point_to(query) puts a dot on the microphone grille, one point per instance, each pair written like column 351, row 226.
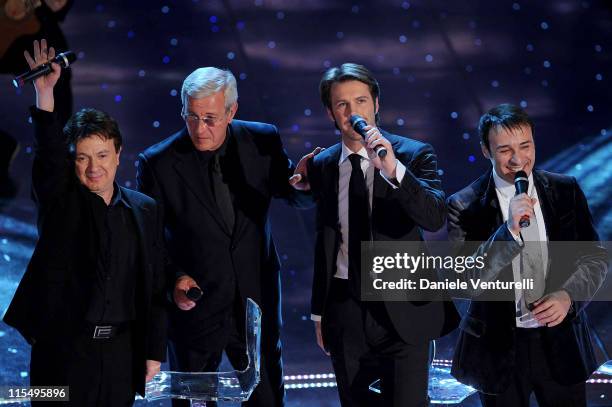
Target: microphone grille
column 520, row 174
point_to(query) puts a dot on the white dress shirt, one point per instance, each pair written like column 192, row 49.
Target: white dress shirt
column 345, row 168
column 505, row 191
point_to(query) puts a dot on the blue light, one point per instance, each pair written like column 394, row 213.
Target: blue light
column 111, row 24
column 165, row 9
column 240, row 25
column 173, row 42
column 173, row 92
column 166, row 59
column 471, row 158
column 214, row 28
column 599, row 77
column 271, row 44
column 400, row 122
column 516, row 6
column 590, row 108
column 355, row 9
column 231, row 55
column 156, row 124
column 529, row 47
column 242, row 76
column 307, row 112
column 544, row 25
column 466, row 136
column 396, row 71
column 118, row 98
column 405, row 5
column 141, row 73
column 495, row 83
column 280, row 15
column 454, row 115
column 295, row 128
column 131, row 34
column 339, row 35
column 402, row 39
column 523, row 104
column 598, row 48
column 429, row 58
column 212, row 19
column 546, row 64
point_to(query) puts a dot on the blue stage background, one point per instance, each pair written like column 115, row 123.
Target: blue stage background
column 440, row 64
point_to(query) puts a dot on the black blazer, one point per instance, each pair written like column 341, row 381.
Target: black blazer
column 397, row 215
column 484, row 354
column 53, row 296
column 198, row 240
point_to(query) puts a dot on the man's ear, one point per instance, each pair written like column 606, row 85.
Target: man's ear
column 376, row 106
column 330, row 115
column 232, row 112
column 119, row 154
column 485, row 151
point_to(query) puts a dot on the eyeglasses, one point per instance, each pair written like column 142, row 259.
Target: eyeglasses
column 193, row 119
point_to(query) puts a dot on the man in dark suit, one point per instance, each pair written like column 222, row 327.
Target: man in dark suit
column 361, row 197
column 91, row 302
column 507, row 350
column 214, row 181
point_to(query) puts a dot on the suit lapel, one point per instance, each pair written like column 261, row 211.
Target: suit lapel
column 139, row 213
column 330, row 176
column 489, row 204
column 190, row 172
column 545, row 197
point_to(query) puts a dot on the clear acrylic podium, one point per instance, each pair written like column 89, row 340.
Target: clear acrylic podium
column 235, row 385
column 443, row 388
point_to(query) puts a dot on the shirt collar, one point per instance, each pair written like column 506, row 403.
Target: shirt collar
column 347, row 151
column 118, row 197
column 508, row 190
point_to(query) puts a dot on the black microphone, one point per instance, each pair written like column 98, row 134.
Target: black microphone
column 358, row 123
column 521, row 184
column 194, row 293
column 64, row 60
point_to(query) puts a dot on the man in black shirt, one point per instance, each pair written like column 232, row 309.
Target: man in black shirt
column 91, row 302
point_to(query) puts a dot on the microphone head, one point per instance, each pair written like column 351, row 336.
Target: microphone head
column 521, row 182
column 519, row 175
column 357, row 122
column 65, row 59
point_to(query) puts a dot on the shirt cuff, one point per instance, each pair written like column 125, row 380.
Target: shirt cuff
column 400, row 171
column 316, row 318
column 518, row 238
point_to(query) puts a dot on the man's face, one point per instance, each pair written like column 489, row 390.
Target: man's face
column 208, row 136
column 96, row 163
column 510, row 150
column 348, row 98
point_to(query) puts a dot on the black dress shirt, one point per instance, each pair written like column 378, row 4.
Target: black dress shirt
column 114, row 282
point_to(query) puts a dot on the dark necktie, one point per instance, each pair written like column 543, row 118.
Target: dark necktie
column 222, row 194
column 359, row 222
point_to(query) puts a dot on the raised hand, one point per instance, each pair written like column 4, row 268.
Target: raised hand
column 44, row 84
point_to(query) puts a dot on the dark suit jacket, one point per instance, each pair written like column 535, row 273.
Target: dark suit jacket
column 484, row 354
column 198, row 240
column 53, row 296
column 397, row 215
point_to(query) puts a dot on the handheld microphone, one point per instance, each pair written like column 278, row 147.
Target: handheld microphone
column 64, row 60
column 521, row 184
column 194, row 294
column 358, row 123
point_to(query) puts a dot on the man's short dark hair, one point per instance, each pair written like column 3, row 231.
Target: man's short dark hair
column 507, row 116
column 89, row 122
column 348, row 72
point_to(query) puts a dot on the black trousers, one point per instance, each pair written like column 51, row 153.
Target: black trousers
column 270, row 392
column 532, row 375
column 99, row 372
column 365, row 347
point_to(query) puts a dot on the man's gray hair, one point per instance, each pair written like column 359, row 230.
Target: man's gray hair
column 204, row 82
